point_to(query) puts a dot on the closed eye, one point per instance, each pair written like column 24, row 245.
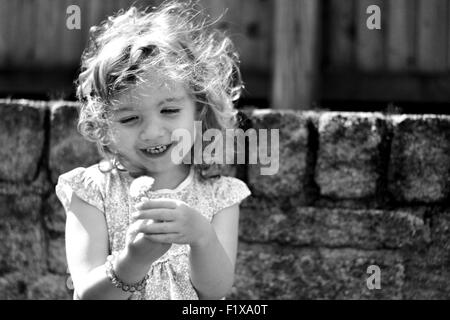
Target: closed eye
column 128, row 119
column 170, row 111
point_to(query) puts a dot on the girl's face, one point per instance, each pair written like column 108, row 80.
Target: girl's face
column 144, row 119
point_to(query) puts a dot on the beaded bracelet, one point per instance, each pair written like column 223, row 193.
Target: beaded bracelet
column 138, row 286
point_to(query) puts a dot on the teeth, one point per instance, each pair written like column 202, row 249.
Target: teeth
column 156, row 150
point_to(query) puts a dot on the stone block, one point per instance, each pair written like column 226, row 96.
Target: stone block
column 274, row 272
column 290, row 155
column 68, row 149
column 269, row 220
column 13, row 286
column 56, row 256
column 427, row 283
column 419, row 167
column 49, row 287
column 437, row 253
column 21, row 246
column 19, row 202
column 21, row 233
column 54, row 216
column 351, row 154
column 440, row 230
column 22, row 136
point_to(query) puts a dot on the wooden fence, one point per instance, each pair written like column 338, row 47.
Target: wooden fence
column 408, row 59
column 294, row 52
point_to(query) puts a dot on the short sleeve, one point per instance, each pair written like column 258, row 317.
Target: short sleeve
column 86, row 183
column 229, row 191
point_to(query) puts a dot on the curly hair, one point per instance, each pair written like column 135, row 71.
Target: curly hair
column 176, row 39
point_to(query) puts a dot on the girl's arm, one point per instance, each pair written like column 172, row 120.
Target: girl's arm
column 87, row 249
column 212, row 261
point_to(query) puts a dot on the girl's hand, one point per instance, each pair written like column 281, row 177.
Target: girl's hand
column 174, row 222
column 142, row 248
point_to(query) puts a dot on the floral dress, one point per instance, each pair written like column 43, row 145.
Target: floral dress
column 109, row 192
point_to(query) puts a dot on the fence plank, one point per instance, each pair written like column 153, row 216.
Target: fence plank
column 111, row 7
column 4, row 32
column 72, row 40
column 228, row 14
column 448, row 35
column 370, row 47
column 22, row 37
column 432, row 35
column 341, row 34
column 296, row 52
column 94, row 13
column 125, row 4
column 256, row 22
column 48, row 40
column 249, row 24
column 401, row 35
column 15, row 27
column 225, row 12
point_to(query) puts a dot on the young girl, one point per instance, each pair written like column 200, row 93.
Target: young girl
column 144, row 75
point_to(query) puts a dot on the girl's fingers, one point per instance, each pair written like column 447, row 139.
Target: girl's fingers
column 158, row 203
column 157, row 228
column 133, row 229
column 136, row 225
column 155, row 214
column 162, row 238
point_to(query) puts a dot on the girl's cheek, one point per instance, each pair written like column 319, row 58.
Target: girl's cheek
column 116, row 137
column 119, row 132
column 113, row 128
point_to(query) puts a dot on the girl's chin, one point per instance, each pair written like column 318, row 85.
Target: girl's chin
column 157, row 165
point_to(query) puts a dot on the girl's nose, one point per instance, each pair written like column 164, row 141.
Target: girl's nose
column 150, row 131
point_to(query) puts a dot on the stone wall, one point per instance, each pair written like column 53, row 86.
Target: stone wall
column 353, row 190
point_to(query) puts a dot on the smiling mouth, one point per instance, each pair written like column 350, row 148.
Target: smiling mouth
column 156, row 150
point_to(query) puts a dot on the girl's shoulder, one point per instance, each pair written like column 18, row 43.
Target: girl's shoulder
column 91, row 177
column 225, row 191
column 89, row 184
column 225, row 184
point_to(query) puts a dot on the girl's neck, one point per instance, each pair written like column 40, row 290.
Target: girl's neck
column 169, row 179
